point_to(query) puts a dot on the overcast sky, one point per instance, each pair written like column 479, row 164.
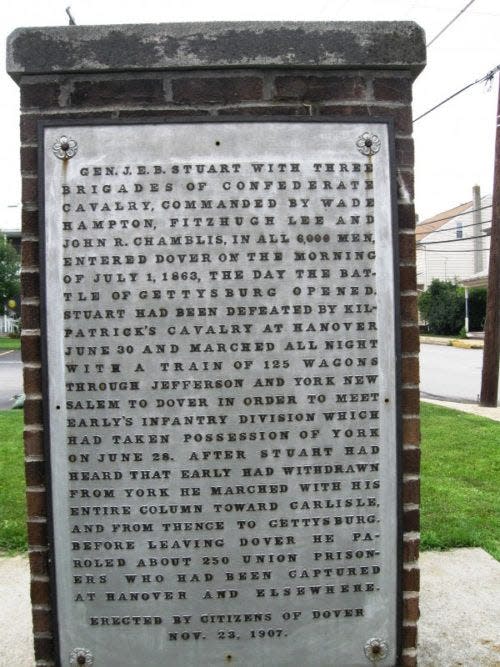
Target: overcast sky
column 454, row 144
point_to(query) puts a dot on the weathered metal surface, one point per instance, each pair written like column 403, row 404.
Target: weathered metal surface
column 222, row 390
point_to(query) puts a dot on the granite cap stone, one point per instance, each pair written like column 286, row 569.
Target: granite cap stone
column 395, row 45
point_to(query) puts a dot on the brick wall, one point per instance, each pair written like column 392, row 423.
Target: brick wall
column 200, row 93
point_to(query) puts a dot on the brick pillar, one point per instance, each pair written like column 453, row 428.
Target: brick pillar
column 347, row 70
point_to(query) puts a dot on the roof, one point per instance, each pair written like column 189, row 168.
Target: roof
column 479, row 279
column 430, row 225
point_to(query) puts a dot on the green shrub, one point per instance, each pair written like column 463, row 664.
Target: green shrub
column 442, row 306
column 9, row 273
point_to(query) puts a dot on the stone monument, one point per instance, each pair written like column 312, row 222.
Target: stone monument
column 220, row 342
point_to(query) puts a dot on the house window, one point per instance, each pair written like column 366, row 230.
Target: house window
column 459, row 232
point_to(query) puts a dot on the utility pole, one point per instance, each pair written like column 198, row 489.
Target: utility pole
column 491, row 356
column 477, row 229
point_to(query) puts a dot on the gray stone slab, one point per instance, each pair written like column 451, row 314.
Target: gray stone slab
column 52, row 50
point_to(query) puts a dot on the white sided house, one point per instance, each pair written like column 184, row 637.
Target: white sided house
column 454, row 245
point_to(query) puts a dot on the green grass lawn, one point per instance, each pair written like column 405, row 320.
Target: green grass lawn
column 9, row 343
column 460, row 473
column 460, row 501
column 12, row 500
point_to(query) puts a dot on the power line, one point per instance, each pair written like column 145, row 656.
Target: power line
column 450, row 23
column 467, row 238
column 487, row 77
column 447, row 251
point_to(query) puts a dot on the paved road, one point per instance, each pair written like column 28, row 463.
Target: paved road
column 450, row 373
column 11, row 377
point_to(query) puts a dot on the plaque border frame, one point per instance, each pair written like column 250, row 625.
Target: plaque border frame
column 44, row 296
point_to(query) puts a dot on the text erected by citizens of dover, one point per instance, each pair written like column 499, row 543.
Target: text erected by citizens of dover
column 221, row 401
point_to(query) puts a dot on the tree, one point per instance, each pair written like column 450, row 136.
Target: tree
column 442, row 306
column 9, row 273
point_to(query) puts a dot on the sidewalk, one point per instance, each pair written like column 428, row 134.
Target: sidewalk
column 471, row 408
column 459, row 609
column 16, row 643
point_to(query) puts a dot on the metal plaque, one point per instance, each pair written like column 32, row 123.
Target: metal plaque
column 221, row 374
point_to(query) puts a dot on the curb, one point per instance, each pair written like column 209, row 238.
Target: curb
column 467, row 344
column 452, row 342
